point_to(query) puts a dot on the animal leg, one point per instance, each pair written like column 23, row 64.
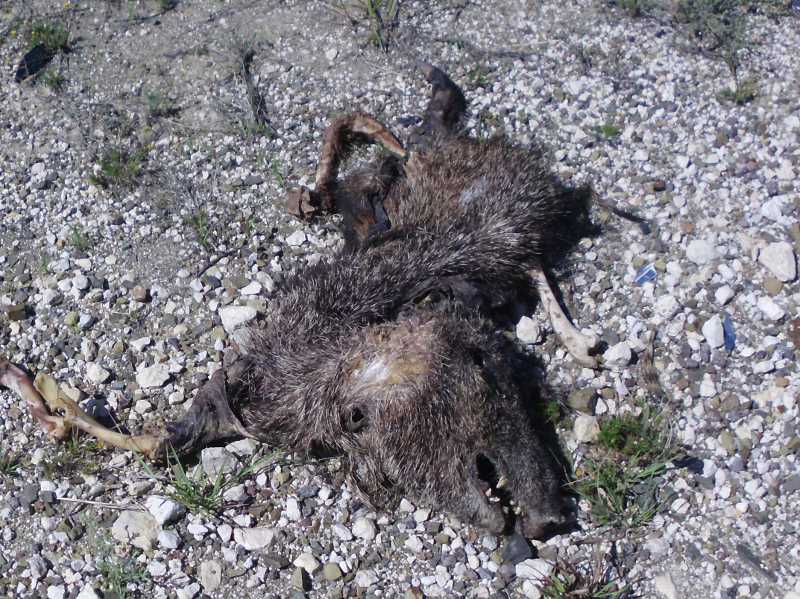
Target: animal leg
column 43, row 392
column 445, row 109
column 339, row 138
column 577, row 344
column 210, row 418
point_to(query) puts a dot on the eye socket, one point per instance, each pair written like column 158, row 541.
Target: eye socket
column 356, row 420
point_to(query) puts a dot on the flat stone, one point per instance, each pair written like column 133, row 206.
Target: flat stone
column 701, row 251
column 307, row 562
column 300, row 580
column 243, row 447
column 234, row 317
column 713, row 332
column 169, row 539
column 216, row 461
column 139, row 529
column 296, row 239
column 770, row 309
column 210, row 575
column 153, row 376
column 366, row 578
column 583, row 400
column 723, row 295
column 342, row 532
column 536, row 570
column 666, row 306
column 586, row 428
column 96, row 373
column 780, row 260
column 528, row 331
column 618, row 356
column 164, row 509
column 254, row 539
column 332, row 572
column 141, row 343
column 665, row 586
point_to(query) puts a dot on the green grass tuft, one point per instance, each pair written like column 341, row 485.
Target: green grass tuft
column 53, row 36
column 119, row 167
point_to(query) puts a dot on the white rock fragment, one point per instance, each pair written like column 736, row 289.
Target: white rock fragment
column 190, row 591
column 169, row 539
column 667, row 306
column 713, row 331
column 293, row 509
column 723, row 295
column 153, row 376
column 210, row 575
column 296, row 239
column 307, row 562
column 252, row 288
column 96, row 373
column 366, row 578
column 536, row 570
column 780, row 260
column 665, row 586
column 707, row 386
column 701, row 251
column 139, row 529
column 88, row 592
column 586, row 428
column 342, row 532
column 253, row 539
column 364, row 528
column 618, row 356
column 216, row 461
column 141, row 343
column 414, row 543
column 56, row 591
column 234, row 317
column 164, row 509
column 528, row 330
column 770, row 309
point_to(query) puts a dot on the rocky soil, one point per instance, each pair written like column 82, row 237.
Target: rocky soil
column 142, row 221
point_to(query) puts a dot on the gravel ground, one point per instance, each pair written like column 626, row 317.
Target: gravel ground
column 126, row 293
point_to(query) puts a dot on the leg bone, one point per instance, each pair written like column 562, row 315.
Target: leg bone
column 577, row 344
column 43, row 392
column 338, row 140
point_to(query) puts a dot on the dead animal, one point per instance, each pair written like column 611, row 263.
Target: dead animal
column 383, row 354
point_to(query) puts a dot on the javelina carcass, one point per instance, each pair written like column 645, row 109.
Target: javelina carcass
column 383, row 354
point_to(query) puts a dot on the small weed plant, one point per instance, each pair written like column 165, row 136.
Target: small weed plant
column 381, row 16
column 198, row 222
column 199, row 493
column 79, row 239
column 593, row 579
column 117, row 572
column 118, row 167
column 53, row 36
column 621, row 480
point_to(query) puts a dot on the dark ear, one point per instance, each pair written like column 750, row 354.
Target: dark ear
column 355, row 419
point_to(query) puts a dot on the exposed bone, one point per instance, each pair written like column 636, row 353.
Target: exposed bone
column 577, row 344
column 338, row 139
column 45, row 390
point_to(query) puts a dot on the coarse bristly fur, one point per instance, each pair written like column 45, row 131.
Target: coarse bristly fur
column 385, row 354
column 418, row 395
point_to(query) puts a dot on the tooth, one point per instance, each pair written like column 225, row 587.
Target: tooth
column 502, row 483
column 488, row 492
column 512, row 502
column 494, row 499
